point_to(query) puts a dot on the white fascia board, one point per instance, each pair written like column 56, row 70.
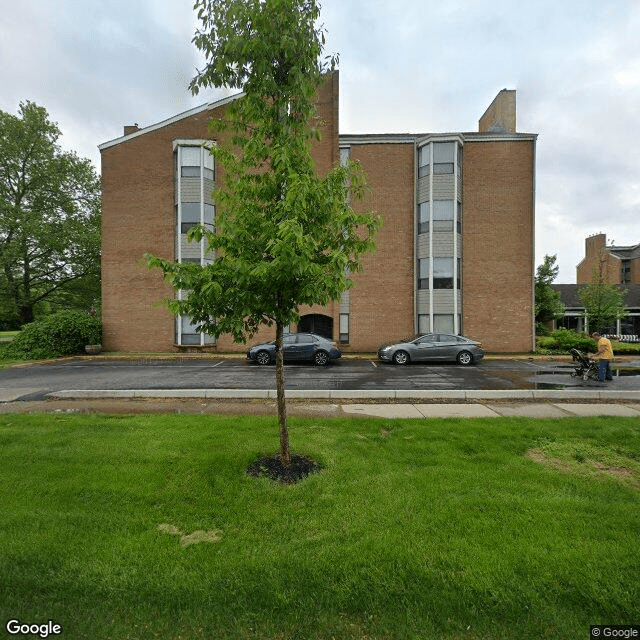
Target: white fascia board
column 439, row 137
column 190, row 142
column 169, row 121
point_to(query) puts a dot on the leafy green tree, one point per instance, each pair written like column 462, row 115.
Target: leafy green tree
column 603, row 302
column 284, row 236
column 548, row 305
column 49, row 219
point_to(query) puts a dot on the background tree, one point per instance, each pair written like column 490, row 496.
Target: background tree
column 284, row 236
column 548, row 305
column 49, row 219
column 603, row 302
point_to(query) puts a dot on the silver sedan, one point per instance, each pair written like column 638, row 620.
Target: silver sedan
column 432, row 347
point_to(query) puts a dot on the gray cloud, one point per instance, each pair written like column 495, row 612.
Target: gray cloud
column 406, row 66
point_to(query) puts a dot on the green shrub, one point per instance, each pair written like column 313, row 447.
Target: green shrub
column 563, row 340
column 62, row 334
column 542, row 329
column 567, row 339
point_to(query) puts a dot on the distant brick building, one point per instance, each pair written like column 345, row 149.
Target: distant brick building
column 621, row 264
column 455, row 252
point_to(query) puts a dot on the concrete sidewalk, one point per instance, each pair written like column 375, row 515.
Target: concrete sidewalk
column 406, row 403
column 365, row 395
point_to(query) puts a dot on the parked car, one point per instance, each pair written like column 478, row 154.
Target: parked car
column 295, row 347
column 431, row 347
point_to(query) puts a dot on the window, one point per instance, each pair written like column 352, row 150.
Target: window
column 424, row 160
column 423, row 273
column 190, row 162
column 443, row 212
column 344, row 328
column 443, row 273
column 345, row 154
column 443, row 157
column 424, row 213
column 443, row 322
column 208, row 165
column 188, row 331
column 190, row 215
column 423, row 323
column 209, row 215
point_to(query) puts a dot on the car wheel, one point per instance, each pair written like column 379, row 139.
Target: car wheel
column 321, row 357
column 464, row 358
column 400, row 357
column 263, row 357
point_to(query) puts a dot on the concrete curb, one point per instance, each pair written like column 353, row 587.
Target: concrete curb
column 365, row 395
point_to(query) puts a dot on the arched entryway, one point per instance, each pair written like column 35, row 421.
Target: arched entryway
column 316, row 323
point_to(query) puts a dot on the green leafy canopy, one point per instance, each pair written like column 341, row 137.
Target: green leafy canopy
column 49, row 219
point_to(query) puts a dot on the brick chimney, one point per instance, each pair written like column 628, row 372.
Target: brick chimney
column 500, row 117
column 131, row 128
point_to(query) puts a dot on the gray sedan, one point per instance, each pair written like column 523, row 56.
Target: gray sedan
column 431, row 347
column 297, row 346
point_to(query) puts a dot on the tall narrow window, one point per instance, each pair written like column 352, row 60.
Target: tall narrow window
column 424, row 213
column 423, row 273
column 424, row 160
column 344, row 328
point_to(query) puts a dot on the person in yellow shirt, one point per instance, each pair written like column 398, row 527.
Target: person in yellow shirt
column 604, row 356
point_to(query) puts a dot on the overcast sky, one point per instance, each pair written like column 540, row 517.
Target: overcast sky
column 405, row 66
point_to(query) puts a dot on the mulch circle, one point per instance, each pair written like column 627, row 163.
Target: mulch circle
column 272, row 467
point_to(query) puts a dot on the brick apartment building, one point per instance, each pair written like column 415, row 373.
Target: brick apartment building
column 621, row 264
column 621, row 268
column 455, row 252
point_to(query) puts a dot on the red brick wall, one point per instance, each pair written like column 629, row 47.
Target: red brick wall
column 382, row 299
column 138, row 217
column 498, row 244
column 595, row 252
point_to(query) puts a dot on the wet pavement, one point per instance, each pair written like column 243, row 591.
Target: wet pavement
column 35, row 382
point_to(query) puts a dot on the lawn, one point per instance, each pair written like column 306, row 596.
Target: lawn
column 138, row 527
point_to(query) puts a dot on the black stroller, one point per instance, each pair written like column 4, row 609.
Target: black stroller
column 584, row 366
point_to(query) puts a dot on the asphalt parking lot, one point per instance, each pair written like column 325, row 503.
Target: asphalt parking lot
column 37, row 381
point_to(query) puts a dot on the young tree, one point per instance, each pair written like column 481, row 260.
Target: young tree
column 603, row 302
column 284, row 236
column 548, row 304
column 49, row 218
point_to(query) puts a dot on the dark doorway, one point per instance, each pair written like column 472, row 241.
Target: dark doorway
column 316, row 323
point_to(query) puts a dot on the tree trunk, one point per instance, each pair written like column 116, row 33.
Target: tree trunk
column 26, row 314
column 285, row 453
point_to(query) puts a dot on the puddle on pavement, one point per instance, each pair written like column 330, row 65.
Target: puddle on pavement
column 617, row 373
column 566, row 371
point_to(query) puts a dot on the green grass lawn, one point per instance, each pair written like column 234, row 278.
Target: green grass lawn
column 138, row 527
